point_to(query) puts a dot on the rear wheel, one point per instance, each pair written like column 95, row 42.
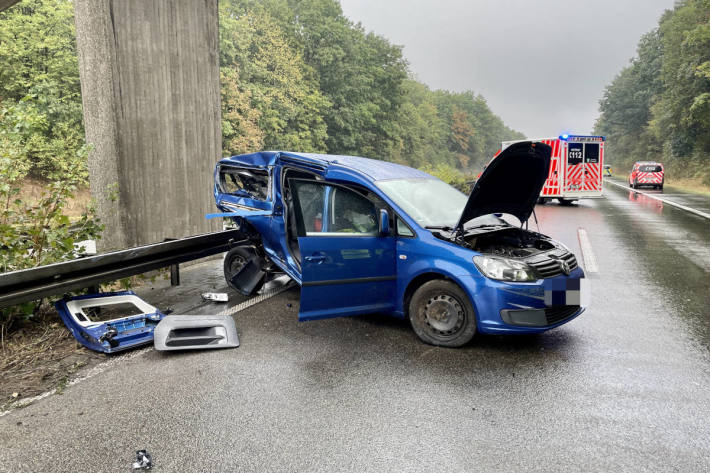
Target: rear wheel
column 442, row 315
column 566, row 202
column 234, row 261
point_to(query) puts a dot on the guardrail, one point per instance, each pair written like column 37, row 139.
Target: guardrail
column 32, row 284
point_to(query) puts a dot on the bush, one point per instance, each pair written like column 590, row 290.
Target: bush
column 37, row 233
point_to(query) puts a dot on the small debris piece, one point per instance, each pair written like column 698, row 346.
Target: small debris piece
column 215, row 296
column 143, row 460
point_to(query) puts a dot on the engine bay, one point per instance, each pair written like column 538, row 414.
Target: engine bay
column 509, row 242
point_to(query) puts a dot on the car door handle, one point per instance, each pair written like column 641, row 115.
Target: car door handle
column 315, row 259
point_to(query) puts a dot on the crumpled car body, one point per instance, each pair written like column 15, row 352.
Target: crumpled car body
column 362, row 236
column 91, row 319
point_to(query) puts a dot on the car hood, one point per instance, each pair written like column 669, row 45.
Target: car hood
column 511, row 183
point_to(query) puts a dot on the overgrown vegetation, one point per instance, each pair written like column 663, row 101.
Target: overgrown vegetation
column 42, row 136
column 658, row 107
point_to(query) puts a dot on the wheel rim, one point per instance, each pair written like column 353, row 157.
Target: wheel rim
column 236, row 265
column 444, row 314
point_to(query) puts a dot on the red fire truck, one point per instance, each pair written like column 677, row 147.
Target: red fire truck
column 576, row 168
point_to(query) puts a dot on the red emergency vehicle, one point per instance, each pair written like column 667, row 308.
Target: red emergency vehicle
column 646, row 173
column 576, row 167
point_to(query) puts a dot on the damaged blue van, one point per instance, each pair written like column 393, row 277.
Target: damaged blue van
column 367, row 236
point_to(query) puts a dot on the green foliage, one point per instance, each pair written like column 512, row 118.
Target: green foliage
column 40, row 94
column 269, row 96
column 451, row 175
column 41, row 135
column 658, row 108
column 38, row 233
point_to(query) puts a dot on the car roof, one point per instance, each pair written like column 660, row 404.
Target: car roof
column 374, row 169
column 648, row 162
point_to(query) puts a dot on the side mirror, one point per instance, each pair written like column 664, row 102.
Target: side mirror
column 384, row 223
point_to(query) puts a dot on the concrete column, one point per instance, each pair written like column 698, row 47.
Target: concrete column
column 150, row 90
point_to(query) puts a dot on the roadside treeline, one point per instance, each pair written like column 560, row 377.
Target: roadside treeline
column 658, row 107
column 295, row 75
column 298, row 75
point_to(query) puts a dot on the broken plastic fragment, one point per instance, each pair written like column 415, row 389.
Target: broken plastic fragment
column 215, row 296
column 143, row 460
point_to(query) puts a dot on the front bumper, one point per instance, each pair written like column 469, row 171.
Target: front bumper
column 523, row 307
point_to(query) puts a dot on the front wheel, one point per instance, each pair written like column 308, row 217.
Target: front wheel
column 442, row 315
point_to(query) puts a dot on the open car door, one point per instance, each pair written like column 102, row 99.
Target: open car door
column 348, row 262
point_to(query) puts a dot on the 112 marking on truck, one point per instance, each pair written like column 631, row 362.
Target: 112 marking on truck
column 576, row 167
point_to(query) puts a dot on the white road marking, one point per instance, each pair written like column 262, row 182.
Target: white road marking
column 101, row 367
column 590, row 261
column 665, row 201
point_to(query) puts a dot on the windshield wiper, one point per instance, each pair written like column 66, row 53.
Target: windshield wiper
column 439, row 227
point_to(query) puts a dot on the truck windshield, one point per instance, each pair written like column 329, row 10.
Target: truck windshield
column 430, row 202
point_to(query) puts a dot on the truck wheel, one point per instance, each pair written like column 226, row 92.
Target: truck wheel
column 234, row 261
column 442, row 315
column 566, row 202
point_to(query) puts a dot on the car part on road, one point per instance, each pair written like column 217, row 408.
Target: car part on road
column 194, row 332
column 215, row 296
column 109, row 322
column 143, row 460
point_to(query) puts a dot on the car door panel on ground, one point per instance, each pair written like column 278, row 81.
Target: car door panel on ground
column 347, row 268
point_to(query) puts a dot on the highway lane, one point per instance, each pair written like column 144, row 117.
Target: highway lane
column 624, row 387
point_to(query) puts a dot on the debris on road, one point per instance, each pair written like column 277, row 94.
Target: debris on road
column 109, row 322
column 194, row 332
column 215, row 296
column 143, row 460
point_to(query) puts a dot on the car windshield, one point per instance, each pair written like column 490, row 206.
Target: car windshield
column 430, row 202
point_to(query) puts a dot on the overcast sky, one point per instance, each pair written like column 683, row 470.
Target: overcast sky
column 541, row 64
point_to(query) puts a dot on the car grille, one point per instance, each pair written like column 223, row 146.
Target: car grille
column 547, row 267
column 558, row 313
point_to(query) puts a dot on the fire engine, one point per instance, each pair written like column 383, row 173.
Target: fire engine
column 576, row 168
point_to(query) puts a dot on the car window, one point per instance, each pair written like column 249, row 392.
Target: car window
column 650, row 168
column 350, row 212
column 244, row 182
column 345, row 211
column 403, row 229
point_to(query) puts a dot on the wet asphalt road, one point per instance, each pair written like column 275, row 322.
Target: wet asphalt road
column 625, row 387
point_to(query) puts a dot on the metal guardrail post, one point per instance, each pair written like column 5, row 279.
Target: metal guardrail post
column 175, row 275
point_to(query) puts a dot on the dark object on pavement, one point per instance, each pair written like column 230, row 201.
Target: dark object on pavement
column 194, row 332
column 143, row 460
column 109, row 322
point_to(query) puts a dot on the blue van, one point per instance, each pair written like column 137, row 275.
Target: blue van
column 367, row 236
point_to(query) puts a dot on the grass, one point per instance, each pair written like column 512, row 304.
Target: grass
column 692, row 185
column 31, row 190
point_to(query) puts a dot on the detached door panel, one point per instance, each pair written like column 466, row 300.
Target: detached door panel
column 346, row 267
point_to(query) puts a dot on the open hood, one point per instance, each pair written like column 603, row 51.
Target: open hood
column 511, row 183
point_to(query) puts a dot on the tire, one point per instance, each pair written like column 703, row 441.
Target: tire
column 566, row 202
column 441, row 314
column 660, row 188
column 233, row 262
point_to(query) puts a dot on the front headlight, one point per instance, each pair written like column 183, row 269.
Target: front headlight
column 504, row 269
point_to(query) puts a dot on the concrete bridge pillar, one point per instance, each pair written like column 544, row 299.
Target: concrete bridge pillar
column 150, row 90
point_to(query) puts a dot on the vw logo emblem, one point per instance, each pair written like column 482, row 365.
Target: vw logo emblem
column 564, row 266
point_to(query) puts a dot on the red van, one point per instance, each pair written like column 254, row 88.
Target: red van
column 646, row 173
